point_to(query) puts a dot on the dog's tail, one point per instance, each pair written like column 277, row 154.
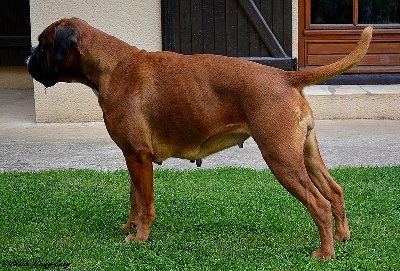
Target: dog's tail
column 304, row 78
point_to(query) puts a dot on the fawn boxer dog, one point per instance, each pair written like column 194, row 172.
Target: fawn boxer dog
column 162, row 104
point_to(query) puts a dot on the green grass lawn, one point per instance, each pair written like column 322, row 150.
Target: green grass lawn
column 218, row 219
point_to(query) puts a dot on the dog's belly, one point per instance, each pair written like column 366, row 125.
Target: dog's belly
column 198, row 149
column 212, row 145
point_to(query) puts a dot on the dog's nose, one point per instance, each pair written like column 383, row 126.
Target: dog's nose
column 33, row 51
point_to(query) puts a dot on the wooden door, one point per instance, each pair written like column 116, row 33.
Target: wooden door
column 15, row 32
column 329, row 29
column 258, row 30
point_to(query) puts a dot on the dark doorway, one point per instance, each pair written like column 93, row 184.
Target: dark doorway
column 258, row 30
column 15, row 32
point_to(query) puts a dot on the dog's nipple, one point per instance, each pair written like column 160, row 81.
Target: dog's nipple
column 198, row 162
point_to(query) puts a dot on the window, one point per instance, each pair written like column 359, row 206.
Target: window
column 379, row 11
column 331, row 12
column 355, row 12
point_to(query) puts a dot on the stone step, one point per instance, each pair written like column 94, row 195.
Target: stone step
column 354, row 101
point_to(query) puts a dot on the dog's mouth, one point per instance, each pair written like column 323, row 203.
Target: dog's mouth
column 48, row 80
column 39, row 71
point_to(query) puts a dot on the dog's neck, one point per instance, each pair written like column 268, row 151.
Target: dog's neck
column 100, row 59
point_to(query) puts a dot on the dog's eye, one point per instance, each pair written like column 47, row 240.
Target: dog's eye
column 41, row 46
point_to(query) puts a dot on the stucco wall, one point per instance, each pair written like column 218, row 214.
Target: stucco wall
column 137, row 22
column 15, row 78
column 295, row 27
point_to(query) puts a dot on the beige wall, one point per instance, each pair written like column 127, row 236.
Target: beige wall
column 15, row 78
column 295, row 27
column 137, row 22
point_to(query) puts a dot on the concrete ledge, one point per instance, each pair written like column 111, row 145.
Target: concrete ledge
column 354, row 102
column 65, row 103
column 15, row 77
column 327, row 102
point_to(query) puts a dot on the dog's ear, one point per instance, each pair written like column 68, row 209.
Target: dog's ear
column 65, row 36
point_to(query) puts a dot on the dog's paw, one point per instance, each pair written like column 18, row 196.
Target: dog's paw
column 321, row 255
column 129, row 238
column 341, row 237
column 128, row 227
column 134, row 236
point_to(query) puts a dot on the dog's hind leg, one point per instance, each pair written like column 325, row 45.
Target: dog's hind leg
column 321, row 178
column 133, row 219
column 142, row 213
column 284, row 156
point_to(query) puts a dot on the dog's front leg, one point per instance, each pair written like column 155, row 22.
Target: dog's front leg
column 142, row 213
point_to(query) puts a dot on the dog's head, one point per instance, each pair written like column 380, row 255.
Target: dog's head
column 56, row 57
